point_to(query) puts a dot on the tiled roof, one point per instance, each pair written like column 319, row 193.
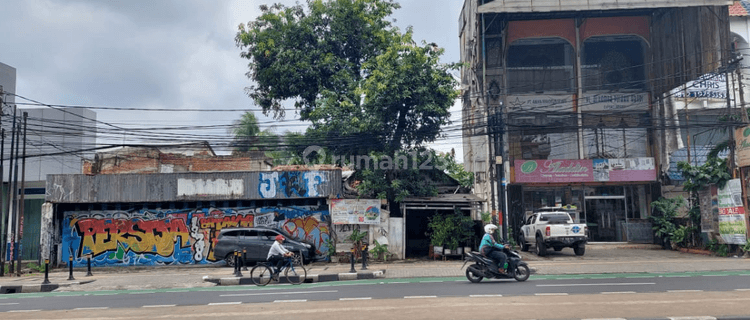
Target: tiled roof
column 739, row 8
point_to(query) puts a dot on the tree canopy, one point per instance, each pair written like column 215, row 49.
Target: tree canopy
column 366, row 87
column 350, row 72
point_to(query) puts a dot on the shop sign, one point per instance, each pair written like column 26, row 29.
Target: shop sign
column 742, row 149
column 540, row 103
column 732, row 213
column 710, row 85
column 614, row 101
column 596, row 170
column 355, row 211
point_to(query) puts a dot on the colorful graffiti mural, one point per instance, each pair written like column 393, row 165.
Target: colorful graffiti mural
column 174, row 236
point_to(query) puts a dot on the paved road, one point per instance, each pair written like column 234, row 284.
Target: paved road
column 597, row 284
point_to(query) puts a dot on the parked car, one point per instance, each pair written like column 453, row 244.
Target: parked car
column 257, row 241
column 554, row 229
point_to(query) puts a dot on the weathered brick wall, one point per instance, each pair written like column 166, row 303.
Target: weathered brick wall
column 154, row 162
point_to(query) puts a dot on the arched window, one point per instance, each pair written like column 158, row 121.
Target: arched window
column 614, row 63
column 540, row 65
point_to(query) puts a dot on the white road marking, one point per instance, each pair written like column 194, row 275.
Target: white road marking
column 485, row 295
column 7, row 304
column 352, row 299
column 23, row 310
column 550, row 294
column 270, row 293
column 303, row 300
column 681, row 291
column 741, row 289
column 160, row 306
column 223, row 303
column 618, row 292
column 597, row 284
column 419, row 297
column 693, row 318
column 606, row 319
column 92, row 308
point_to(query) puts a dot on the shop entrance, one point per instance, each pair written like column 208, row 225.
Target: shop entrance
column 606, row 218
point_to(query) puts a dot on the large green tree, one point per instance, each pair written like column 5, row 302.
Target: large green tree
column 366, row 87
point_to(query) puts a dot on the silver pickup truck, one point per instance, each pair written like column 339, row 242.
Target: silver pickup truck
column 554, row 229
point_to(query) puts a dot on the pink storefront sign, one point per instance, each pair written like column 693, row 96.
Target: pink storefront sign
column 596, row 170
column 554, row 170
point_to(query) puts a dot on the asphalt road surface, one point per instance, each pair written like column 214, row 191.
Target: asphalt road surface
column 734, row 286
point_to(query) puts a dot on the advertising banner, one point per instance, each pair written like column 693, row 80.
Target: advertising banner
column 614, row 101
column 541, row 103
column 732, row 213
column 742, row 149
column 596, row 170
column 355, row 211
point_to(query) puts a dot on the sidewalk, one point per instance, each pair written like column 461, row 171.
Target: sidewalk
column 609, row 258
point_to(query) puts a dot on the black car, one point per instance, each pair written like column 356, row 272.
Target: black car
column 257, row 242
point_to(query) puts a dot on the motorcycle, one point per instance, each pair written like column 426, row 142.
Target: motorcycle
column 483, row 267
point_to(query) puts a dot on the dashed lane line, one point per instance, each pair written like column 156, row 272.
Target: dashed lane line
column 741, row 289
column 224, row 303
column 282, row 301
column 24, row 310
column 160, row 306
column 485, row 295
column 551, row 294
column 270, row 293
column 419, row 297
column 597, row 284
column 8, row 304
column 92, row 308
column 354, row 299
column 683, row 291
column 618, row 292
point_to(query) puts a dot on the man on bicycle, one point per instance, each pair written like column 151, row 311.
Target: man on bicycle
column 277, row 253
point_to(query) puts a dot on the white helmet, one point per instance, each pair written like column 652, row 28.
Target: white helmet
column 489, row 228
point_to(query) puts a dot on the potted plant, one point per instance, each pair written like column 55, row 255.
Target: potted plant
column 438, row 233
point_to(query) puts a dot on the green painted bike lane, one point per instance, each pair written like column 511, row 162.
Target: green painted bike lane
column 371, row 282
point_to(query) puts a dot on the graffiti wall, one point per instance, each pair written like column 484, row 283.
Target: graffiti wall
column 177, row 236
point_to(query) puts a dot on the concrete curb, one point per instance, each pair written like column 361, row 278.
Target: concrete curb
column 311, row 278
column 29, row 288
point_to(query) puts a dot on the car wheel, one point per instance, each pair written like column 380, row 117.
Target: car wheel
column 229, row 259
column 522, row 242
column 579, row 249
column 541, row 248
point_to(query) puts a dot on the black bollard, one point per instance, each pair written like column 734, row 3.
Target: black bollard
column 234, row 256
column 46, row 272
column 364, row 257
column 88, row 267
column 244, row 258
column 237, row 259
column 70, row 267
column 352, row 261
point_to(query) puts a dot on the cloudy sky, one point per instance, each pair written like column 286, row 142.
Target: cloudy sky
column 174, row 55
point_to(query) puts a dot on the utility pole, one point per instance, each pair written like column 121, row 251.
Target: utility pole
column 2, row 212
column 11, row 214
column 19, row 226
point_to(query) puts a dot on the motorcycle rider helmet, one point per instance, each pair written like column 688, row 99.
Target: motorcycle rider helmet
column 489, row 228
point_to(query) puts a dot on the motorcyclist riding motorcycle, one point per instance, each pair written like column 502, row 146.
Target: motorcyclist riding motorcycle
column 493, row 250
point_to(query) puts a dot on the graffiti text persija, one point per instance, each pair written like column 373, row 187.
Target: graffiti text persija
column 140, row 236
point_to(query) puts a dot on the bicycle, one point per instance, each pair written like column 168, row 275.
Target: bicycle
column 294, row 272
